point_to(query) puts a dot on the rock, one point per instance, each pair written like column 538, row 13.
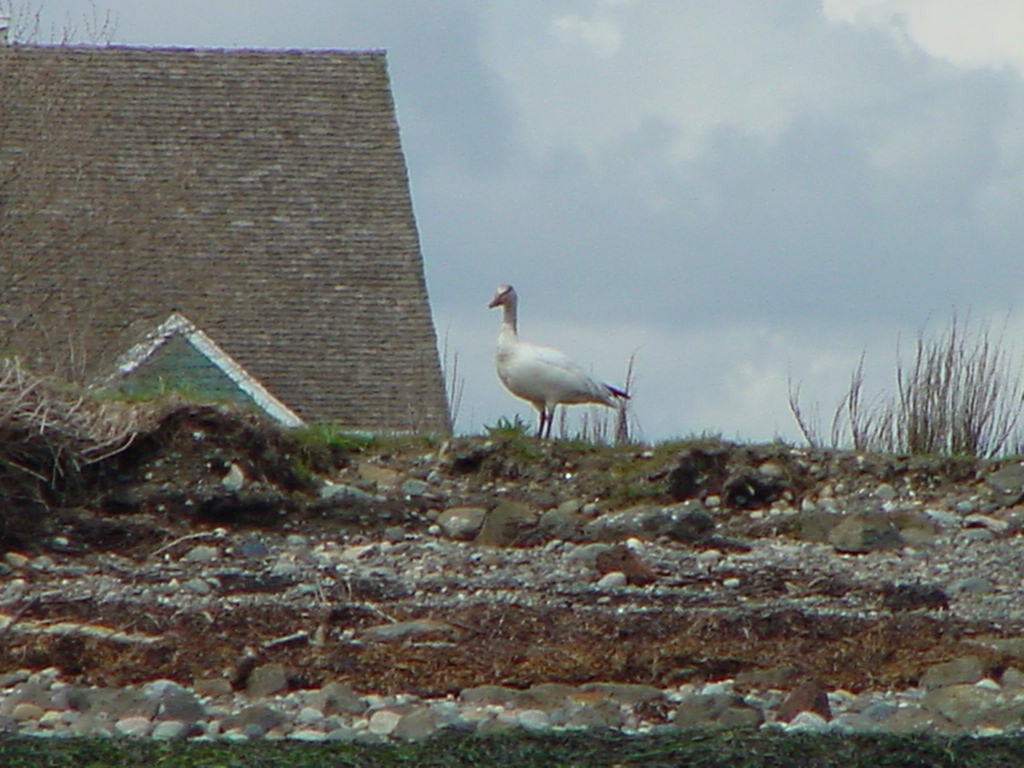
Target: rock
column 966, row 669
column 506, row 525
column 462, row 523
column 415, row 487
column 26, row 710
column 963, row 704
column 807, row 697
column 687, row 522
column 256, row 720
column 495, row 695
column 1008, row 482
column 134, row 726
column 716, row 710
column 202, row 553
column 383, row 477
column 623, row 559
column 912, row 597
column 234, row 479
column 337, row 699
column 400, row 631
column 751, row 488
column 416, row 725
column 612, row 580
column 170, row 729
column 629, row 694
column 534, row 720
column 266, row 680
column 562, row 524
column 701, row 471
column 384, row 721
column 865, row 532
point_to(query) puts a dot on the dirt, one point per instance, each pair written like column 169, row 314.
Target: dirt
column 208, row 548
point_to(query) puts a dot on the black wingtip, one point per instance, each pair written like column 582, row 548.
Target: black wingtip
column 617, row 392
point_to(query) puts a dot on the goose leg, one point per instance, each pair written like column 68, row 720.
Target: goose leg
column 540, row 426
column 551, row 419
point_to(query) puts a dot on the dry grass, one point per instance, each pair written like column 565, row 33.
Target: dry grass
column 961, row 395
column 75, row 425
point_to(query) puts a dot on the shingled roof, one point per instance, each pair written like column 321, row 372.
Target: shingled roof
column 263, row 194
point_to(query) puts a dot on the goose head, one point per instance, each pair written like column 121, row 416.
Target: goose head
column 505, row 296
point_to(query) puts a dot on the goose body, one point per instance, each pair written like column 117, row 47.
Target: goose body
column 542, row 376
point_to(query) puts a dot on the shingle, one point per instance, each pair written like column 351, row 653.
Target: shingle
column 262, row 193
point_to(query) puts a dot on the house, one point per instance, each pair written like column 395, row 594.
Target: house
column 262, row 195
column 178, row 354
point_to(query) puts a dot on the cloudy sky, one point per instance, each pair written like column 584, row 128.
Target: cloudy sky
column 739, row 193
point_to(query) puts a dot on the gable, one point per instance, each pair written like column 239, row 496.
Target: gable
column 177, row 356
column 264, row 194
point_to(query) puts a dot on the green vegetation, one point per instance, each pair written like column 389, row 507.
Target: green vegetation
column 703, row 749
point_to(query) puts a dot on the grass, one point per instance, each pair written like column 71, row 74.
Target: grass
column 699, row 749
column 960, row 395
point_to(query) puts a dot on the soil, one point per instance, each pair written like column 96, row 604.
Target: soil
column 216, row 543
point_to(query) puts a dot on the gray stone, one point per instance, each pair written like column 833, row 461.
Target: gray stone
column 203, row 553
column 134, row 726
column 254, row 721
column 965, row 705
column 266, row 680
column 966, row 669
column 683, row 522
column 337, row 699
column 716, row 710
column 865, row 532
column 483, row 695
column 506, row 525
column 1008, row 482
column 416, row 725
column 170, row 729
column 405, row 630
column 462, row 523
column 629, row 694
column 561, row 524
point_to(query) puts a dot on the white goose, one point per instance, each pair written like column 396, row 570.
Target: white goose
column 542, row 376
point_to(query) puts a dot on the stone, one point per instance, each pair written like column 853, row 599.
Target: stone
column 234, row 479
column 506, row 525
column 383, row 477
column 865, row 532
column 534, row 720
column 384, row 721
column 266, row 680
column 337, row 699
column 963, row 704
column 499, row 695
column 416, row 725
column 716, row 710
column 629, row 694
column 623, row 559
column 170, row 729
column 26, row 710
column 462, row 523
column 806, row 697
column 401, row 631
column 966, row 669
column 134, row 726
column 202, row 553
column 561, row 524
column 613, row 580
column 1008, row 482
column 687, row 522
column 254, row 721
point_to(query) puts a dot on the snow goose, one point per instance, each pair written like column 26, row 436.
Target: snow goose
column 542, row 376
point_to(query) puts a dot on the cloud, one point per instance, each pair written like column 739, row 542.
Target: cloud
column 966, row 33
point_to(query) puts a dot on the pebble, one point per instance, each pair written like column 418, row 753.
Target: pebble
column 953, row 698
